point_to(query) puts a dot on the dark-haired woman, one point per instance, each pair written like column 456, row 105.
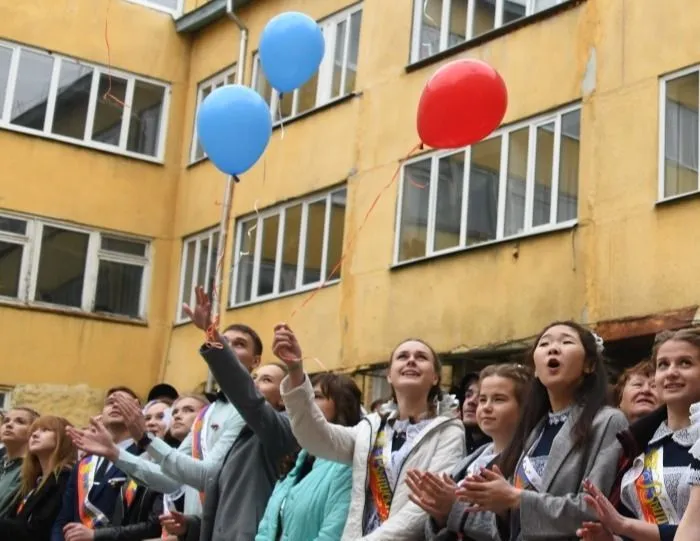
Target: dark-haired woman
column 312, row 501
column 566, row 434
column 657, row 469
column 381, row 448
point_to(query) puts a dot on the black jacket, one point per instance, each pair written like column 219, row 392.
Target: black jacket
column 137, row 522
column 34, row 521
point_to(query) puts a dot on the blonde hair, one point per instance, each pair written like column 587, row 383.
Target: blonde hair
column 195, row 396
column 63, row 455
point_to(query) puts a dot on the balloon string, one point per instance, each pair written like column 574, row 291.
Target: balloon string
column 107, row 96
column 352, row 240
column 279, row 114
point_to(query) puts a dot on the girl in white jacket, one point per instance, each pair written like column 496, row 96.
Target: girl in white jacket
column 417, row 434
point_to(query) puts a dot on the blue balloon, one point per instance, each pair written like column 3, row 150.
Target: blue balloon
column 234, row 126
column 291, row 50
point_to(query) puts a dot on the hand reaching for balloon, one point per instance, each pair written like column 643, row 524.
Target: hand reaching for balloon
column 287, row 349
column 201, row 313
column 95, row 441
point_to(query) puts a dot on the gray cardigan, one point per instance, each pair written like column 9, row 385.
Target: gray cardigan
column 235, row 496
column 558, row 511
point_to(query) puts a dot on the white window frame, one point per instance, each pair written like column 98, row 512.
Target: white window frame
column 197, row 239
column 5, row 399
column 280, row 210
column 419, row 7
column 329, row 27
column 528, row 229
column 29, row 268
column 212, row 83
column 86, row 141
column 663, row 81
column 153, row 4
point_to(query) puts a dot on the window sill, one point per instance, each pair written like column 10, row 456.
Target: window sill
column 68, row 311
column 290, row 120
column 304, row 289
column 494, row 34
column 675, row 199
column 174, row 13
column 107, row 149
column 565, row 226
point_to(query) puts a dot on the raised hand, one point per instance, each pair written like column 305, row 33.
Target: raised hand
column 609, row 517
column 433, row 493
column 200, row 314
column 285, row 345
column 95, row 441
column 133, row 416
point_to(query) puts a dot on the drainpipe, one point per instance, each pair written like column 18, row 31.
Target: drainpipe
column 230, row 181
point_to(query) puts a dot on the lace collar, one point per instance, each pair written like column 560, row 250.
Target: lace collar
column 559, row 417
column 685, row 436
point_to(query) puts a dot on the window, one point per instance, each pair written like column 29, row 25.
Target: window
column 293, row 247
column 64, row 265
column 173, row 7
column 5, row 399
column 205, row 88
column 678, row 170
column 77, row 102
column 199, row 254
column 521, row 180
column 441, row 24
column 336, row 76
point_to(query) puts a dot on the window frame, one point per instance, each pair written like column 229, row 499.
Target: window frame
column 663, row 81
column 197, row 238
column 87, row 139
column 532, row 124
column 153, row 4
column 31, row 258
column 324, row 87
column 5, row 398
column 208, row 83
column 417, row 22
column 281, row 210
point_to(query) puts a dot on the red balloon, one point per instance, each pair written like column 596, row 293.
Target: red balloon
column 463, row 102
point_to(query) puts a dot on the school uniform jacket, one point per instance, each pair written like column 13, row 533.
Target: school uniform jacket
column 437, row 448
column 559, row 510
column 38, row 513
column 134, row 522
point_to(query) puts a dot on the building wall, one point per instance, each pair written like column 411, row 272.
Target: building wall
column 64, row 362
column 626, row 255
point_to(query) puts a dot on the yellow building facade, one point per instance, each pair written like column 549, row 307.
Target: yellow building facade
column 583, row 205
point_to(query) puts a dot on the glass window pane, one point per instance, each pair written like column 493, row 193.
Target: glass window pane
column 307, row 95
column 123, row 246
column 353, row 52
column 231, row 78
column 567, row 200
column 268, row 251
column 10, row 265
column 414, row 210
column 72, row 99
column 285, row 104
column 261, row 85
column 5, row 59
column 429, row 38
column 458, row 22
column 513, row 10
column 290, row 248
column 541, row 5
column 681, row 154
column 61, row 266
column 12, row 225
column 170, row 4
column 199, row 149
column 213, row 263
column 314, row 242
column 543, row 175
column 484, row 17
column 338, row 57
column 448, row 213
column 335, row 236
column 482, row 199
column 31, row 89
column 187, row 283
column 109, row 110
column 118, row 288
column 202, row 262
column 145, row 117
column 246, row 257
column 516, row 181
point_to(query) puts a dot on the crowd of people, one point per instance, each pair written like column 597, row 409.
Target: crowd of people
column 534, row 451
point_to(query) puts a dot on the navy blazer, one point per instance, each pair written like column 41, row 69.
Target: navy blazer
column 104, row 496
